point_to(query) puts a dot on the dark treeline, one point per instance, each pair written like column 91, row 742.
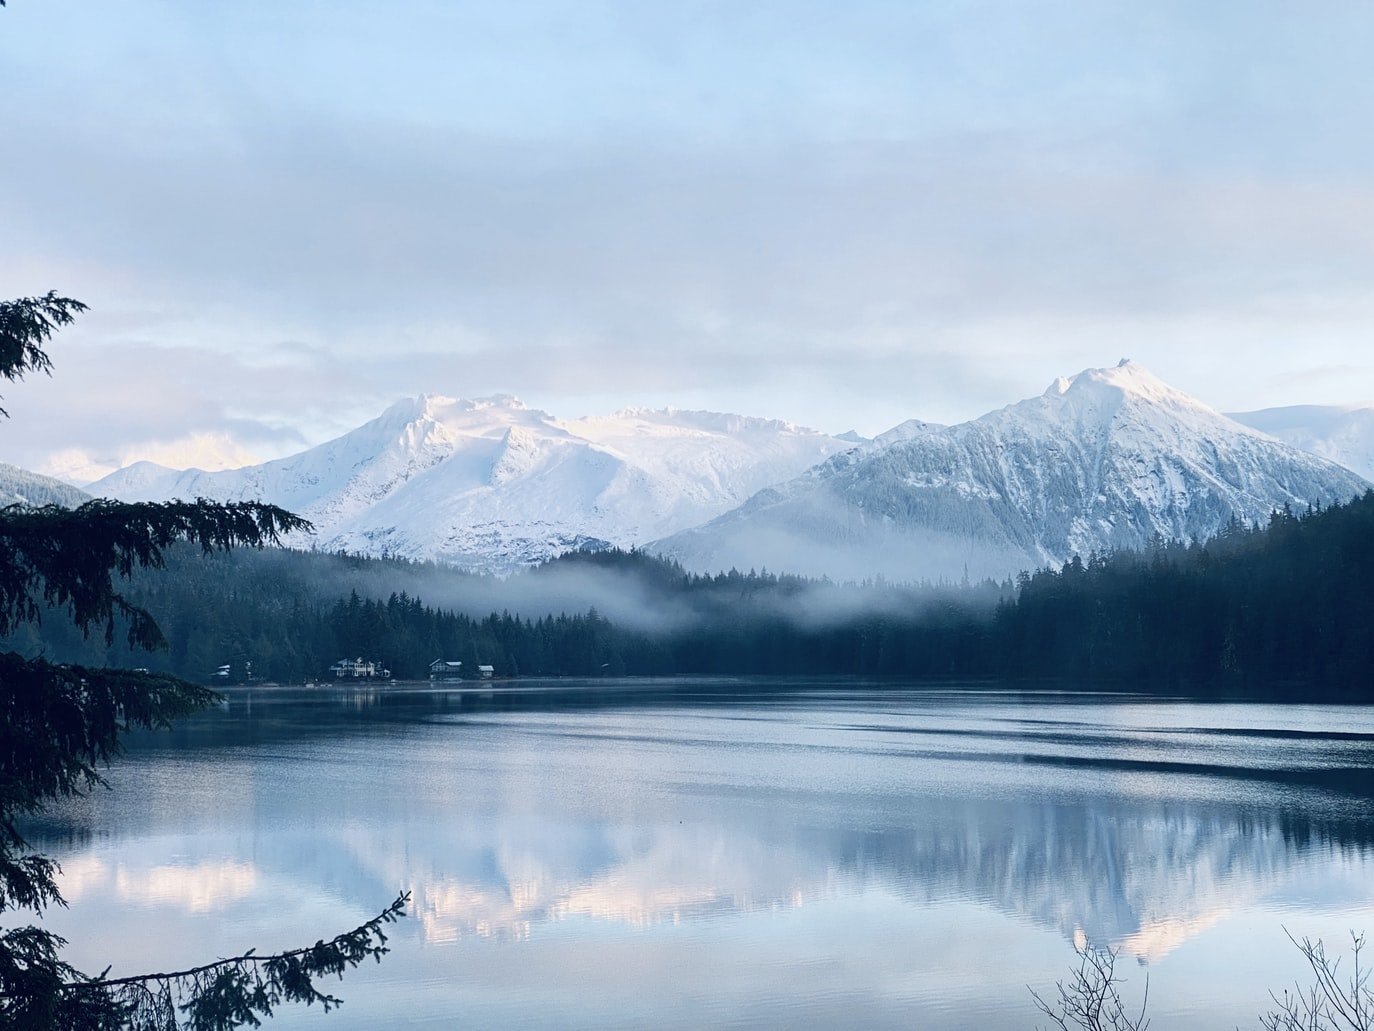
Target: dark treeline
column 283, row 612
column 1287, row 605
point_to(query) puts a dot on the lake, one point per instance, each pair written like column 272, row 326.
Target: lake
column 733, row 853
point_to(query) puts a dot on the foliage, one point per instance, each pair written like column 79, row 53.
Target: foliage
column 60, row 724
column 69, row 558
column 1256, row 608
column 26, row 324
column 221, row 995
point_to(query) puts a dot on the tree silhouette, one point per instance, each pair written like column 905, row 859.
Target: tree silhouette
column 60, row 725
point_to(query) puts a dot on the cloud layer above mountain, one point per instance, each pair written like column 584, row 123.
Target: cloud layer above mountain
column 844, row 216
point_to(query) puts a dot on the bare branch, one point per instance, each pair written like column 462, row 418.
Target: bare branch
column 1091, row 1001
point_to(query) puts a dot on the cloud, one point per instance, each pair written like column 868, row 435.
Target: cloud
column 200, row 887
column 1328, row 374
column 850, row 219
column 208, row 451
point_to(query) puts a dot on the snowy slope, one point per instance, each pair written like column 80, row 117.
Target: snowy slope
column 1102, row 460
column 19, row 486
column 1341, row 435
column 491, row 484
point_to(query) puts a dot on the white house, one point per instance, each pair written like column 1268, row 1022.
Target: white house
column 358, row 668
column 486, row 672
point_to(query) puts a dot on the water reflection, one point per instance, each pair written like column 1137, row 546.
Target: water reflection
column 194, row 888
column 516, row 818
column 1145, row 881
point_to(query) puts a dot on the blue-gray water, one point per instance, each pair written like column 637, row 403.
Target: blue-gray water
column 659, row 854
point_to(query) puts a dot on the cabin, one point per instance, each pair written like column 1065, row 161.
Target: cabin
column 486, row 672
column 445, row 669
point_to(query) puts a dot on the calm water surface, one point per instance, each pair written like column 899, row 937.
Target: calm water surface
column 661, row 854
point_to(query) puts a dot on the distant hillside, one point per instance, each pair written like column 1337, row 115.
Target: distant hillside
column 1341, row 435
column 19, row 486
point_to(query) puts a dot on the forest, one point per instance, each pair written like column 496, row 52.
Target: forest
column 1282, row 608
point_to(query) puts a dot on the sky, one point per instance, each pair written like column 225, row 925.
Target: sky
column 285, row 215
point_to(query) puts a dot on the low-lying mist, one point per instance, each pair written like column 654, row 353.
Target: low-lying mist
column 1281, row 605
column 635, row 590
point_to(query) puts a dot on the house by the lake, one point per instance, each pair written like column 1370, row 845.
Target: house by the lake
column 445, row 669
column 358, row 669
column 486, row 672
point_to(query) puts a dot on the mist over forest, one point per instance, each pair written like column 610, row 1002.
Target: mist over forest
column 1283, row 607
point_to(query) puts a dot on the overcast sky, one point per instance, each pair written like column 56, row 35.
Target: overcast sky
column 285, row 215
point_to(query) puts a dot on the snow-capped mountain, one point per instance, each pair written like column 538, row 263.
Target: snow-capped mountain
column 491, row 484
column 1341, row 435
column 1102, row 460
column 21, row 487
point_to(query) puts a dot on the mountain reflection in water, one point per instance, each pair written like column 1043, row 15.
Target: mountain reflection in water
column 1144, row 881
column 1135, row 823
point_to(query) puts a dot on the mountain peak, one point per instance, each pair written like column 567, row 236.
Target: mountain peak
column 498, row 401
column 1126, row 374
column 434, row 406
column 1119, row 383
column 1102, row 461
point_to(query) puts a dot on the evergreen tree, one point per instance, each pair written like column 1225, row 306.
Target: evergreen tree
column 60, row 725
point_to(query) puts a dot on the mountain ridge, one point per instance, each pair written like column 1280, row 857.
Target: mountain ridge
column 22, row 487
column 1102, row 460
column 491, row 484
